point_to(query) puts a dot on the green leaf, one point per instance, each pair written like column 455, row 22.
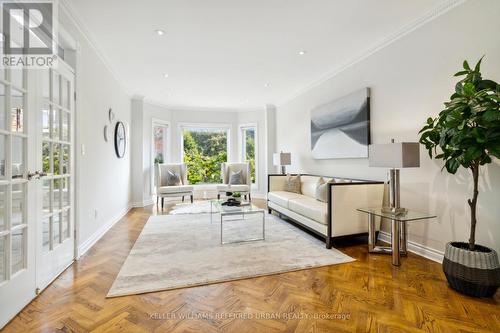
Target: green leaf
column 469, row 89
column 487, row 84
column 466, row 65
column 495, row 150
column 478, row 65
column 461, row 73
column 472, row 153
column 452, row 165
column 491, row 115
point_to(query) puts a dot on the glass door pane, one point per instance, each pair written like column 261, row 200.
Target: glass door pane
column 55, row 239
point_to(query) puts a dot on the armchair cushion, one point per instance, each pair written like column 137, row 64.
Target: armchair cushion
column 174, row 189
column 173, row 178
column 236, row 178
column 164, row 172
column 228, row 168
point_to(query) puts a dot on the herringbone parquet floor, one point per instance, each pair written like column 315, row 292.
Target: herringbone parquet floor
column 369, row 295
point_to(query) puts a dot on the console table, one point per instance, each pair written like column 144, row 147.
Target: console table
column 399, row 239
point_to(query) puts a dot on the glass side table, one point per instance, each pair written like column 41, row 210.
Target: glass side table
column 399, row 239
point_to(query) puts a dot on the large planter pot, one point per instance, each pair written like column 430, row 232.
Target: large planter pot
column 474, row 273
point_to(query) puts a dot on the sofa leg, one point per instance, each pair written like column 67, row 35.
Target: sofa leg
column 329, row 243
column 269, row 210
column 191, row 198
column 182, row 198
column 162, row 202
column 245, row 196
column 218, row 196
column 249, row 197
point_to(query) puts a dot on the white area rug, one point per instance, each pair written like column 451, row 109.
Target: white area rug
column 176, row 251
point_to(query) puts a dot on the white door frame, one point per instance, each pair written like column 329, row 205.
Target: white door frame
column 167, row 150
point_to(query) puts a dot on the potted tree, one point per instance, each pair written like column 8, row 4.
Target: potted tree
column 467, row 134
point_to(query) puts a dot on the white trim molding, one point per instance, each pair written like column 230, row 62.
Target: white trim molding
column 75, row 19
column 432, row 14
column 421, row 250
column 241, row 144
column 142, row 204
column 96, row 236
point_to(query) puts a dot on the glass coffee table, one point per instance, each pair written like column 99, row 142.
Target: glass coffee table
column 242, row 211
column 399, row 237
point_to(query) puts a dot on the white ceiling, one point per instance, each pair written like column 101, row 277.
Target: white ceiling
column 222, row 53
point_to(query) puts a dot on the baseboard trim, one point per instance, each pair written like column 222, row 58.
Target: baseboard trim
column 96, row 236
column 421, row 250
column 141, row 204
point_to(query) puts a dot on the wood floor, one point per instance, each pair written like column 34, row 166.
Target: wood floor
column 368, row 295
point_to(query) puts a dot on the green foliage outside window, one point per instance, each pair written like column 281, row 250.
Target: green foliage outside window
column 250, row 150
column 204, row 152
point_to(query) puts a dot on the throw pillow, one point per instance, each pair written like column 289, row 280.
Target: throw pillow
column 173, row 178
column 292, row 184
column 236, row 178
column 321, row 190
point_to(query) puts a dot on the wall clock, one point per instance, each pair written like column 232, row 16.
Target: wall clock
column 120, row 139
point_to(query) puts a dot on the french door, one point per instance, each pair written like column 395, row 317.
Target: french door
column 37, row 239
column 55, row 132
column 17, row 193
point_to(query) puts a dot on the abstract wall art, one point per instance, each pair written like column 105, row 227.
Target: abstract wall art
column 341, row 128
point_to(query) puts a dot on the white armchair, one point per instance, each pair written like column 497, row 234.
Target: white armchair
column 228, row 185
column 171, row 181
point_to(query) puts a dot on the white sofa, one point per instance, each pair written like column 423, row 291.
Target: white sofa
column 334, row 218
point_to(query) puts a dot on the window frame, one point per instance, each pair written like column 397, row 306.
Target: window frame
column 242, row 148
column 167, row 149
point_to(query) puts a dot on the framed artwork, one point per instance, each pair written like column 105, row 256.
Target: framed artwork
column 341, row 128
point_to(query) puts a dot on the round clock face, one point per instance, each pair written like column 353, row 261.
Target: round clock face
column 120, row 139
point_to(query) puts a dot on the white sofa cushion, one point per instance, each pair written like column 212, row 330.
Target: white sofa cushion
column 174, row 189
column 308, row 185
column 282, row 197
column 309, row 207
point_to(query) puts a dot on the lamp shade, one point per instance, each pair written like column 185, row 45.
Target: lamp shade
column 394, row 155
column 282, row 159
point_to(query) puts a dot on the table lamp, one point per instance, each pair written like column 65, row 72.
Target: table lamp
column 282, row 159
column 394, row 156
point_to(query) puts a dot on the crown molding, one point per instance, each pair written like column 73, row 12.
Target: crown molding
column 68, row 9
column 432, row 14
column 174, row 107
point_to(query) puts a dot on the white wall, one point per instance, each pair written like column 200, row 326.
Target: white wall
column 409, row 80
column 103, row 180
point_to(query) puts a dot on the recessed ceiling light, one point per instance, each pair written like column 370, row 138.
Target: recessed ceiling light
column 165, row 75
column 159, row 32
column 302, row 52
column 266, row 85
